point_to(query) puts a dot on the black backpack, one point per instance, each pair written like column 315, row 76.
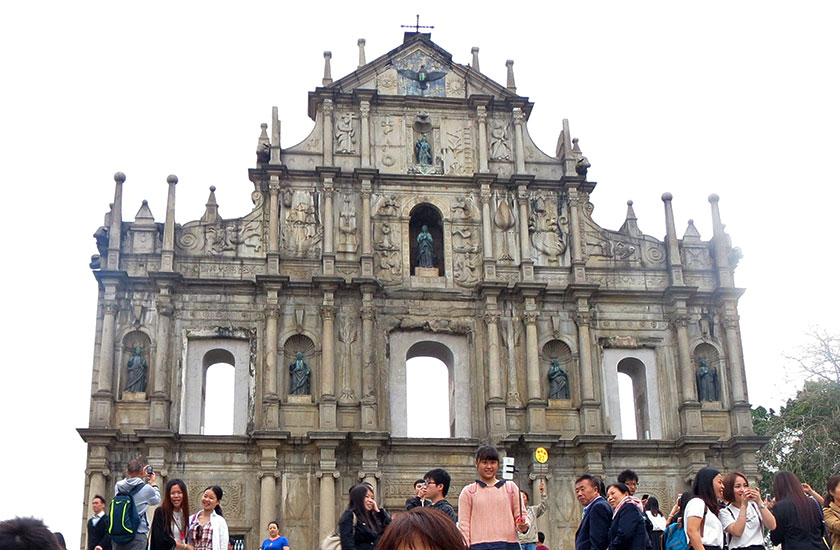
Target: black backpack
column 124, row 517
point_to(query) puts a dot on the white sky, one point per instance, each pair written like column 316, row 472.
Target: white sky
column 737, row 98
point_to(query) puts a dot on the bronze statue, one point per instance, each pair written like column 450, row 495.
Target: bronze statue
column 137, row 368
column 558, row 381
column 707, row 382
column 423, row 150
column 300, row 373
column 425, row 253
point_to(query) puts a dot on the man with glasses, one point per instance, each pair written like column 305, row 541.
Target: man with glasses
column 437, row 486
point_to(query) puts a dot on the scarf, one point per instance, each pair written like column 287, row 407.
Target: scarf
column 631, row 500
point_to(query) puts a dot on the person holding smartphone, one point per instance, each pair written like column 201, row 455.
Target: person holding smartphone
column 746, row 516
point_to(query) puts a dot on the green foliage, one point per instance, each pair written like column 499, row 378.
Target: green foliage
column 804, row 435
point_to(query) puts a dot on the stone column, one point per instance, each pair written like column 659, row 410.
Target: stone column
column 369, row 418
column 690, row 419
column 481, row 115
column 328, row 108
column 167, row 259
column 590, row 411
column 518, row 120
column 160, row 399
column 268, row 498
column 274, row 225
column 486, row 221
column 328, row 216
column 327, row 474
column 105, row 384
column 532, row 355
column 719, row 246
column 364, row 108
column 328, row 351
column 366, row 245
column 578, row 268
column 733, row 353
column 491, row 318
column 524, row 241
column 96, row 484
column 271, row 399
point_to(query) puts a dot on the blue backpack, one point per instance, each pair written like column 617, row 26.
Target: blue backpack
column 675, row 538
column 124, row 517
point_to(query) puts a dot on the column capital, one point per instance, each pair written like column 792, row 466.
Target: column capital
column 730, row 321
column 680, row 320
column 518, row 116
column 530, row 317
column 492, row 317
column 110, row 308
column 364, row 108
column 583, row 318
column 164, row 306
column 367, row 313
column 328, row 106
column 327, row 312
column 481, row 113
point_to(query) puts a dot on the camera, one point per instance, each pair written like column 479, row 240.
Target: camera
column 149, row 470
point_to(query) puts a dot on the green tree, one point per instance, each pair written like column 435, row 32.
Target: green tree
column 805, row 433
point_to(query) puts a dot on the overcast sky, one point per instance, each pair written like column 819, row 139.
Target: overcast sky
column 735, row 98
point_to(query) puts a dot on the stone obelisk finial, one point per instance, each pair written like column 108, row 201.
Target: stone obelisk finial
column 168, row 250
column 475, row 59
column 362, row 61
column 511, row 83
column 327, row 70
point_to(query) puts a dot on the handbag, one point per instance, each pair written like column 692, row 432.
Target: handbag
column 333, row 540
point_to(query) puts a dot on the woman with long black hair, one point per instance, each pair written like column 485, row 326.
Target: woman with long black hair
column 702, row 526
column 657, row 519
column 799, row 522
column 208, row 528
column 171, row 519
column 363, row 522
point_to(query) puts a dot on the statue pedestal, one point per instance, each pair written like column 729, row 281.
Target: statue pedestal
column 560, row 403
column 299, row 399
column 134, row 396
column 426, row 272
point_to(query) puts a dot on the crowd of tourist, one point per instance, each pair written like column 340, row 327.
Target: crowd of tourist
column 719, row 513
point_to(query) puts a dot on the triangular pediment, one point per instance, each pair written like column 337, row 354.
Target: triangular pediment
column 419, row 67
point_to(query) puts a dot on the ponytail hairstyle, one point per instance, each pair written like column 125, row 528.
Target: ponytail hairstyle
column 684, row 498
column 218, row 492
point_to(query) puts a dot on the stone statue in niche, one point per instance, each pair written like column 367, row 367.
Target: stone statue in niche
column 137, row 369
column 300, row 374
column 345, row 134
column 425, row 252
column 423, row 151
column 558, row 381
column 347, row 241
column 499, row 147
column 707, row 382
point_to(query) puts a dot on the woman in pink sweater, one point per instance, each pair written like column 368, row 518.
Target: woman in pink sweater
column 490, row 512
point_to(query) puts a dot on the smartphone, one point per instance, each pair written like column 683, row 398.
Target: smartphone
column 645, row 496
column 149, row 470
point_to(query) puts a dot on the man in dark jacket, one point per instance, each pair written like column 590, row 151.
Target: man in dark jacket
column 420, row 498
column 97, row 526
column 593, row 532
column 437, row 486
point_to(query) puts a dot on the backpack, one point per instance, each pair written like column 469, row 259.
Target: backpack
column 675, row 538
column 123, row 516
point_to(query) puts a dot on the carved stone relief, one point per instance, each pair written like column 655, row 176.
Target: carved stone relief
column 347, row 334
column 463, row 207
column 466, row 269
column 546, row 237
column 302, row 231
column 241, row 237
column 499, row 140
column 455, row 86
column 388, row 264
column 347, row 238
column 386, row 82
column 387, row 205
column 345, row 134
column 504, row 219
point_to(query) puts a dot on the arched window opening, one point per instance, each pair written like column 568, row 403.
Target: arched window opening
column 634, row 369
column 625, row 399
column 217, row 409
column 427, row 380
column 428, row 216
column 430, row 390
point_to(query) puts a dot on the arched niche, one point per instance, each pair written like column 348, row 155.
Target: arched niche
column 303, row 344
column 204, row 349
column 135, row 380
column 454, row 351
column 711, row 380
column 641, row 367
column 559, row 352
column 428, row 215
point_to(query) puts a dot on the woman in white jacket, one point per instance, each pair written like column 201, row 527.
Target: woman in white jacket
column 208, row 529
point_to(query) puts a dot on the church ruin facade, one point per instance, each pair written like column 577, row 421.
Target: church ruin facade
column 418, row 219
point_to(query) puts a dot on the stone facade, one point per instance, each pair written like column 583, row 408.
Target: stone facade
column 325, row 265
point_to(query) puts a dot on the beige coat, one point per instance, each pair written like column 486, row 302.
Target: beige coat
column 832, row 524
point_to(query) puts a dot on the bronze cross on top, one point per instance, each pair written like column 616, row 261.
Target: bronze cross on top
column 417, row 26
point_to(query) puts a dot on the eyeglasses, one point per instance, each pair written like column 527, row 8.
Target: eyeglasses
column 429, row 482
